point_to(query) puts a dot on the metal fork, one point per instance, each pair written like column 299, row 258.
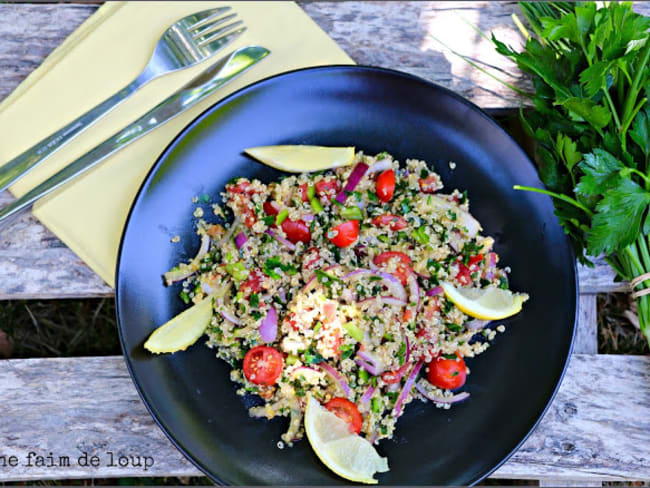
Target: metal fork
column 185, row 43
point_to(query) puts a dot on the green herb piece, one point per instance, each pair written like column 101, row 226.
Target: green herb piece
column 312, row 356
column 184, row 296
column 453, row 327
column 316, row 206
column 424, row 173
column 420, row 235
column 291, row 359
column 364, row 376
column 254, row 300
column 269, row 220
column 352, row 213
column 237, row 270
column 503, row 283
column 376, row 405
column 272, row 264
column 450, row 356
column 256, row 315
column 346, row 350
column 282, row 215
column 311, row 192
column 384, row 238
column 401, row 353
column 405, row 206
column 372, row 196
column 317, row 327
column 353, row 331
column 326, row 278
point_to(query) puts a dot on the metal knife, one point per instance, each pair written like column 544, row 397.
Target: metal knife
column 187, row 96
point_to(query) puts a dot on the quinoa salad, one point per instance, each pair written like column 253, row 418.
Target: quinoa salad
column 327, row 284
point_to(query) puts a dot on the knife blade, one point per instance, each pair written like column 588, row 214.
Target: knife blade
column 197, row 89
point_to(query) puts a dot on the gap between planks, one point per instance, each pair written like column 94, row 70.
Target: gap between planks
column 590, row 432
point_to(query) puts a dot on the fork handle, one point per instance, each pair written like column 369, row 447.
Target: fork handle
column 25, row 162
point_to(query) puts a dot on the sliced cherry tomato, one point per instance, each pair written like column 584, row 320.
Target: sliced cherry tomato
column 302, row 190
column 252, row 284
column 447, row 373
column 386, row 185
column 391, row 377
column 309, row 259
column 464, row 275
column 403, row 271
column 345, row 234
column 346, row 410
column 243, row 187
column 270, row 208
column 263, row 365
column 327, row 187
column 395, row 222
column 429, row 184
column 384, row 257
column 246, row 212
column 431, row 308
column 296, row 230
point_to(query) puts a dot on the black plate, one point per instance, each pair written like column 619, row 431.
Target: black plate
column 190, row 394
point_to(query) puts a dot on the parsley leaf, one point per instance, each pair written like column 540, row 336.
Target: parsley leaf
column 600, row 170
column 618, row 218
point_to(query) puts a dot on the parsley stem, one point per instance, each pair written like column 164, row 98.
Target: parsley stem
column 482, row 70
column 612, row 108
column 634, row 89
column 565, row 198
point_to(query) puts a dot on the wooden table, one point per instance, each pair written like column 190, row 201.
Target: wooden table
column 597, row 428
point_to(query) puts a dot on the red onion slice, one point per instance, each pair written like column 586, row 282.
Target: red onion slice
column 370, row 363
column 408, row 386
column 235, row 223
column 365, row 398
column 205, row 247
column 230, row 317
column 281, row 239
column 434, row 291
column 240, row 240
column 340, row 381
column 353, row 180
column 459, row 397
column 381, row 165
column 269, row 326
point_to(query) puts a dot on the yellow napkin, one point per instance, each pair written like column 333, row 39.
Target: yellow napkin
column 100, row 57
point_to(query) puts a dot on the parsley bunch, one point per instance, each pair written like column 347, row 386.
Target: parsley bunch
column 590, row 70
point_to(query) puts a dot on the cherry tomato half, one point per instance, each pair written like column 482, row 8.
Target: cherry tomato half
column 327, row 187
column 243, row 187
column 464, row 275
column 429, row 184
column 252, row 284
column 395, row 222
column 263, row 365
column 403, row 271
column 391, row 377
column 302, row 190
column 447, row 373
column 345, row 234
column 270, row 208
column 386, row 185
column 346, row 410
column 296, row 230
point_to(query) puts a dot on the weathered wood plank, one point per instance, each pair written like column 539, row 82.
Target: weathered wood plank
column 586, row 339
column 569, row 483
column 596, row 428
column 35, row 264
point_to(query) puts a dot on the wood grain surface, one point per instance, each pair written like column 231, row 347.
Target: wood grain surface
column 35, row 264
column 596, row 428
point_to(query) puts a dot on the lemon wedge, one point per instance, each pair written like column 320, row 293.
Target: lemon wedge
column 485, row 303
column 350, row 456
column 301, row 159
column 183, row 330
